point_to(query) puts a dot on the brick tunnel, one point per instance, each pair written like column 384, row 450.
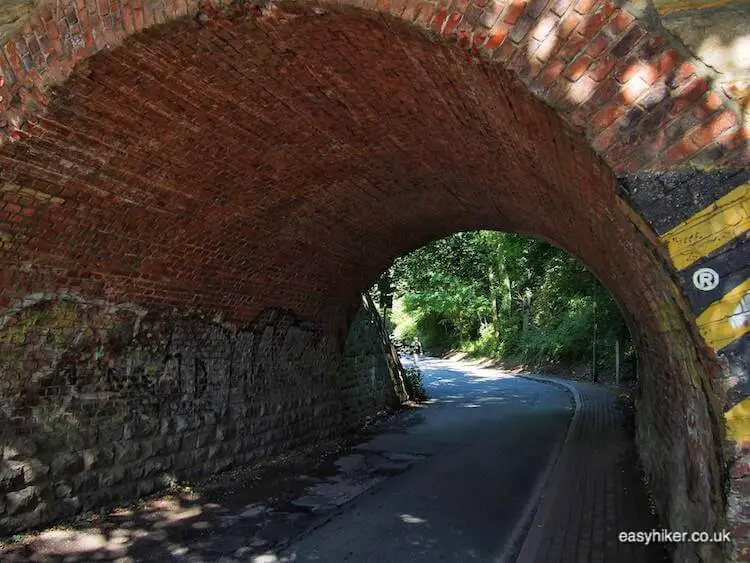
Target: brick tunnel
column 194, row 197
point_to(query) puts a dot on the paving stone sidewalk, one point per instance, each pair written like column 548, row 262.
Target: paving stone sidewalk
column 595, row 491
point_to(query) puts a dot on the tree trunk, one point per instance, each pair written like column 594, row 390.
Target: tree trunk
column 595, row 373
column 526, row 315
column 493, row 296
column 460, row 327
column 509, row 288
column 526, row 312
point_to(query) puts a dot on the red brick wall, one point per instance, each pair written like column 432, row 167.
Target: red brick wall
column 239, row 165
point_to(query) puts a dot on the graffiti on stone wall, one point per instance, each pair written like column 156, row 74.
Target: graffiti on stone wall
column 64, row 361
column 100, row 402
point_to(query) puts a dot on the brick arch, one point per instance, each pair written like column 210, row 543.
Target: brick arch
column 606, row 67
column 233, row 164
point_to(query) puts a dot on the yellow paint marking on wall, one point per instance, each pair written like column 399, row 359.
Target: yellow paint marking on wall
column 727, row 319
column 738, row 422
column 725, row 219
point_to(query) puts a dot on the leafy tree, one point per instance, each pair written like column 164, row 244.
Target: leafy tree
column 501, row 295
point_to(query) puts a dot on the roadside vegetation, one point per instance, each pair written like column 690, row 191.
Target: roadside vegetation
column 505, row 297
column 414, row 385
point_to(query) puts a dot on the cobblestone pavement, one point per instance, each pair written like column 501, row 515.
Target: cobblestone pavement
column 595, row 490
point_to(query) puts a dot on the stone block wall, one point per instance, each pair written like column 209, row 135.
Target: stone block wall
column 367, row 358
column 104, row 403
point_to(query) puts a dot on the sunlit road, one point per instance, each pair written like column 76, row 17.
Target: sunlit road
column 486, row 437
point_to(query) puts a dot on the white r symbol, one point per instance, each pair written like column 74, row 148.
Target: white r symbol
column 705, row 279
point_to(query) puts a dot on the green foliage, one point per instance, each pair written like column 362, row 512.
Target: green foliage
column 496, row 294
column 413, row 384
column 565, row 336
column 487, row 344
column 404, row 324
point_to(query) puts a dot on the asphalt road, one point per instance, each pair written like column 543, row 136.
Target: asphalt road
column 486, row 438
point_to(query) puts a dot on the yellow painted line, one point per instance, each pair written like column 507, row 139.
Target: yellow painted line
column 727, row 319
column 738, row 422
column 725, row 219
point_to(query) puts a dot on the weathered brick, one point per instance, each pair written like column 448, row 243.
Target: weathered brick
column 601, row 67
column 597, row 46
column 551, row 72
column 628, row 41
column 496, row 38
column 536, row 7
column 544, row 28
column 520, row 29
column 585, row 6
column 514, row 11
column 207, row 185
column 559, row 7
column 578, row 67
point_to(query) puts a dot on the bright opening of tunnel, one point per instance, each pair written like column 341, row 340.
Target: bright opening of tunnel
column 194, row 196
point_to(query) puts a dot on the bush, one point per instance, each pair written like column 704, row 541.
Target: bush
column 414, row 386
column 566, row 336
column 487, row 345
column 503, row 296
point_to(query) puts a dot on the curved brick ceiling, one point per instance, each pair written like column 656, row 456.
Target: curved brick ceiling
column 200, row 165
column 624, row 81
